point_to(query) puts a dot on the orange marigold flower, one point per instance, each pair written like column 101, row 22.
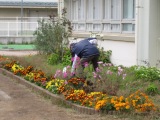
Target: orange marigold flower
column 127, row 107
column 117, row 108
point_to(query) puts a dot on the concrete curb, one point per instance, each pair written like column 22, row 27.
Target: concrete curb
column 53, row 97
column 56, row 98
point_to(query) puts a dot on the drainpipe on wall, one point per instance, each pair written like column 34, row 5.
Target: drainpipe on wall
column 137, row 29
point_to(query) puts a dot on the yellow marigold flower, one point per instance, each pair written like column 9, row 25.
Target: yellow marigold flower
column 100, row 104
column 116, row 105
column 127, row 103
column 56, row 84
column 121, row 98
column 112, row 101
column 16, row 67
column 90, row 103
column 131, row 96
column 146, row 97
column 49, row 84
column 134, row 102
column 127, row 107
column 117, row 108
column 78, row 91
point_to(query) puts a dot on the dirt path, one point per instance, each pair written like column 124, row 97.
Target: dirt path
column 19, row 103
column 17, row 53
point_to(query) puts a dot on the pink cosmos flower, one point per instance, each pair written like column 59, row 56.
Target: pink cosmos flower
column 86, row 64
column 65, row 82
column 94, row 74
column 68, row 67
column 64, row 75
column 109, row 72
column 124, row 75
column 97, row 69
column 100, row 62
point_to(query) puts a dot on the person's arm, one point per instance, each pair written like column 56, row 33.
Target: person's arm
column 74, row 64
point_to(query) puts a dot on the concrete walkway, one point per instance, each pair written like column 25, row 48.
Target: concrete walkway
column 17, row 53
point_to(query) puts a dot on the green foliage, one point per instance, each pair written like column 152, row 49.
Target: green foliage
column 53, row 59
column 108, row 107
column 105, row 55
column 52, row 36
column 46, row 41
column 152, row 89
column 147, row 73
column 66, row 57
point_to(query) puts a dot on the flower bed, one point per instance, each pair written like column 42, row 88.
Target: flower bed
column 71, row 91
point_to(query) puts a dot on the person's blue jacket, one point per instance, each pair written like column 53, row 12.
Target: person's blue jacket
column 84, row 49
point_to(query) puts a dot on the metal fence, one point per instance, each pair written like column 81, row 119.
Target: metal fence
column 18, row 27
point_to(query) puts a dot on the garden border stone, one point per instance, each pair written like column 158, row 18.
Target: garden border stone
column 45, row 93
column 56, row 98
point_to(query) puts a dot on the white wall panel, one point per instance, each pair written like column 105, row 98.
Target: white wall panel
column 123, row 53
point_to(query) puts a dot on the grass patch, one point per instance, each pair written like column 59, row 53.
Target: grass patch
column 39, row 62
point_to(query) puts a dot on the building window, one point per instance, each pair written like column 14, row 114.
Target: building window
column 128, row 27
column 93, row 9
column 115, row 9
column 128, row 9
column 77, row 11
column 115, row 16
column 81, row 10
column 89, row 9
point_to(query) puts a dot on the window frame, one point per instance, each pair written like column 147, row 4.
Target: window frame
column 102, row 19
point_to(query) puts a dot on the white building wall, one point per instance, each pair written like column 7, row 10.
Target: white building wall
column 123, row 53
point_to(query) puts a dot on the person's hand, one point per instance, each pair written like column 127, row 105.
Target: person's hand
column 73, row 75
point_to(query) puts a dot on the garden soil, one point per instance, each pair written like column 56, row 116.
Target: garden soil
column 18, row 102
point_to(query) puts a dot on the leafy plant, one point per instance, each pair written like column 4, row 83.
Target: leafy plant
column 152, row 89
column 147, row 73
column 53, row 59
column 66, row 57
column 105, row 55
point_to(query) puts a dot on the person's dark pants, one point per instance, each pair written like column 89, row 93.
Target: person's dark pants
column 92, row 59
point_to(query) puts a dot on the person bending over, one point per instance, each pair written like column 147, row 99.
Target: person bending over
column 87, row 51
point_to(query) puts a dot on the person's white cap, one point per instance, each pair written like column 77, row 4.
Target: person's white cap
column 93, row 41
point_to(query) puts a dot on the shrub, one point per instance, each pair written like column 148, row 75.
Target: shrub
column 52, row 35
column 53, row 59
column 105, row 55
column 152, row 89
